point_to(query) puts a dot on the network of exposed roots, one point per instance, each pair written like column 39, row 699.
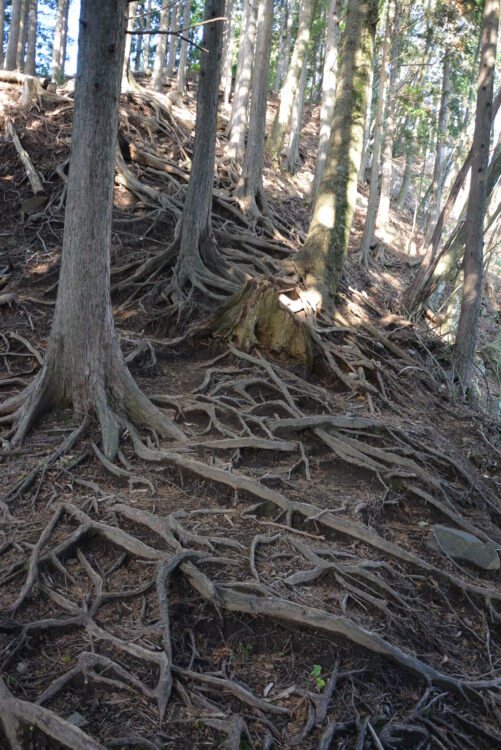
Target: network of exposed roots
column 267, row 583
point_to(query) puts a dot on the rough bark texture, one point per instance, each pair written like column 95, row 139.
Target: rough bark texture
column 131, row 22
column 328, row 91
column 158, row 65
column 370, row 217
column 228, row 45
column 57, row 49
column 473, row 257
column 250, row 186
column 173, row 39
column 183, row 54
column 239, row 111
column 31, row 48
column 322, row 257
column 296, row 118
column 282, row 118
column 11, row 51
column 83, row 365
column 197, row 245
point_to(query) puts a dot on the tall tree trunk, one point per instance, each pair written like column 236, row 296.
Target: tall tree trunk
column 367, row 127
column 473, row 257
column 21, row 41
column 383, row 212
column 173, row 39
column 197, row 248
column 159, row 63
column 296, row 119
column 2, row 29
column 438, row 167
column 280, row 47
column 228, row 46
column 322, row 257
column 328, row 91
column 370, row 218
column 31, row 47
column 281, row 122
column 250, row 185
column 183, row 54
column 147, row 40
column 64, row 38
column 239, row 110
column 83, row 365
column 406, row 180
column 15, row 19
column 131, row 22
column 140, row 37
column 57, row 47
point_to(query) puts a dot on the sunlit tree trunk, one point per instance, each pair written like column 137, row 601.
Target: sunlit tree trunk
column 328, row 91
column 296, row 118
column 406, row 180
column 322, row 257
column 140, row 37
column 57, row 48
column 159, row 63
column 147, row 37
column 173, row 39
column 183, row 54
column 282, row 118
column 64, row 39
column 2, row 29
column 367, row 128
column 473, row 257
column 370, row 218
column 131, row 22
column 250, row 186
column 239, row 110
column 31, row 47
column 228, row 46
column 280, row 47
column 21, row 41
column 15, row 19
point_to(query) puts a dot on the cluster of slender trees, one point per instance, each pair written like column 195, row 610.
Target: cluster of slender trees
column 390, row 79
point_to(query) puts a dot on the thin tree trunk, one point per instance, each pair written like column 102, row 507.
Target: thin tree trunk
column 296, row 119
column 250, row 186
column 367, row 127
column 140, row 37
column 280, row 47
column 146, row 63
column 322, row 257
column 406, row 180
column 57, row 48
column 183, row 54
column 11, row 51
column 228, row 46
column 173, row 39
column 83, row 365
column 31, row 48
column 383, row 212
column 159, row 63
column 443, row 119
column 64, row 38
column 282, row 118
column 21, row 41
column 239, row 112
column 328, row 92
column 473, row 258
column 370, row 218
column 2, row 29
column 131, row 22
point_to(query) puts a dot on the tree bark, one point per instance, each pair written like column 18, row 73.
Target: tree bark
column 367, row 127
column 406, row 180
column 21, row 41
column 250, row 186
column 183, row 54
column 322, row 257
column 146, row 63
column 64, row 38
column 328, row 92
column 370, row 218
column 173, row 39
column 2, row 29
column 31, row 47
column 228, row 45
column 281, row 122
column 280, row 47
column 473, row 258
column 57, row 48
column 83, row 365
column 131, row 22
column 239, row 110
column 11, row 51
column 140, row 37
column 296, row 119
column 159, row 63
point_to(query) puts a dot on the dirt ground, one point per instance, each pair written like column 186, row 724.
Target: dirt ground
column 269, row 584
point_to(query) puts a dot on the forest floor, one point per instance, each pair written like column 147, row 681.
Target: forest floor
column 270, row 583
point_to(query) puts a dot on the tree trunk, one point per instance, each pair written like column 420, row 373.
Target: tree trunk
column 328, row 92
column 31, row 47
column 282, row 118
column 21, row 41
column 229, row 43
column 183, row 54
column 367, row 127
column 443, row 119
column 131, row 22
column 250, row 186
column 472, row 288
column 173, row 39
column 146, row 63
column 158, row 65
column 296, row 119
column 370, row 218
column 322, row 257
column 406, row 180
column 2, row 29
column 83, row 365
column 57, row 48
column 15, row 19
column 239, row 110
column 280, row 47
column 64, row 38
column 140, row 37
